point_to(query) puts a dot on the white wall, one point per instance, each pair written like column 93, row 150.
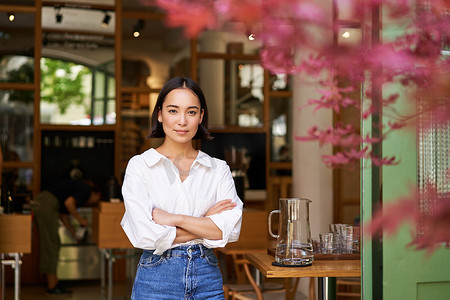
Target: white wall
column 311, row 178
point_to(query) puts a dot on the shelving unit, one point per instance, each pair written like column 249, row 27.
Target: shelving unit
column 346, row 182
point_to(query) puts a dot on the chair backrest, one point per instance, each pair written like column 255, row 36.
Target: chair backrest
column 254, row 232
column 278, row 187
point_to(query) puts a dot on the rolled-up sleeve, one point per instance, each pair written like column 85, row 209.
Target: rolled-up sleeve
column 137, row 221
column 229, row 222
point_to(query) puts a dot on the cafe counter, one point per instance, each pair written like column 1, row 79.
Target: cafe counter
column 106, row 230
column 15, row 239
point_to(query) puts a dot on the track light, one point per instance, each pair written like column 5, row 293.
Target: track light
column 137, row 28
column 58, row 15
column 106, row 19
column 11, row 17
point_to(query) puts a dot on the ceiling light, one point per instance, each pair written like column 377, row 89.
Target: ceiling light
column 58, row 15
column 346, row 35
column 106, row 19
column 137, row 28
column 11, row 17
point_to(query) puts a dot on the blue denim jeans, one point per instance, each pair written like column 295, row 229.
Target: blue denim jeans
column 185, row 272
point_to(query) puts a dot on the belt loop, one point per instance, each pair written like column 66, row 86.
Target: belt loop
column 202, row 253
column 189, row 251
column 168, row 253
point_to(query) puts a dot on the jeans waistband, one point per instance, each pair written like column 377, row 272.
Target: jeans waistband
column 197, row 250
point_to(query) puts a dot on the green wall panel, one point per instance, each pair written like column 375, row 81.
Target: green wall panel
column 433, row 290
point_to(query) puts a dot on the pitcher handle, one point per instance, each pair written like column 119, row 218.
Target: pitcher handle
column 269, row 220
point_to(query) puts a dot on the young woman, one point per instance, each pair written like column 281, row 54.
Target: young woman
column 180, row 202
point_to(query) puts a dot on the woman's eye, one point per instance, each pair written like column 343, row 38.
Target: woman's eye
column 172, row 111
column 192, row 112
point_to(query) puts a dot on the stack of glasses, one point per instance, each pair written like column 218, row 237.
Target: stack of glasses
column 342, row 238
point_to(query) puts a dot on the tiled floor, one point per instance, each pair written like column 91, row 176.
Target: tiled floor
column 91, row 290
column 82, row 290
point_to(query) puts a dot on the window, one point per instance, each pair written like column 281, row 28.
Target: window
column 76, row 94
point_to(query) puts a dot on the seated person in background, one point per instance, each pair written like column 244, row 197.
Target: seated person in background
column 54, row 204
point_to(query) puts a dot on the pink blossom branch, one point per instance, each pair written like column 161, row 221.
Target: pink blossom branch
column 413, row 60
column 435, row 223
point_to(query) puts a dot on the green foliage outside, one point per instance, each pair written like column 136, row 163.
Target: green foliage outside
column 23, row 74
column 62, row 83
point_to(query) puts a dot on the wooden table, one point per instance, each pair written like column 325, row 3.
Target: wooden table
column 15, row 239
column 325, row 270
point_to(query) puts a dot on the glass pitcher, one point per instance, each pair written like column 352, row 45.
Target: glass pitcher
column 294, row 244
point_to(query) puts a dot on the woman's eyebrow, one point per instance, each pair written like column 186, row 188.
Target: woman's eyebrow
column 176, row 106
column 172, row 105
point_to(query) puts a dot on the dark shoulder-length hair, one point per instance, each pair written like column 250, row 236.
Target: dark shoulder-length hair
column 157, row 130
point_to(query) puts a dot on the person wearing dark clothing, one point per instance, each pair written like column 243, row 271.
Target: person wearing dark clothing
column 58, row 203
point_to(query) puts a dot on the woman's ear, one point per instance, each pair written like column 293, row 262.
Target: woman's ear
column 159, row 116
column 201, row 116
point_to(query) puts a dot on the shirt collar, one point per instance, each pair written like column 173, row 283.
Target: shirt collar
column 204, row 159
column 151, row 157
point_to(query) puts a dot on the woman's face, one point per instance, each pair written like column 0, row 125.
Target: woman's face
column 180, row 115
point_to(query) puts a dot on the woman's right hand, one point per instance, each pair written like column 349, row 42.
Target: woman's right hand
column 220, row 206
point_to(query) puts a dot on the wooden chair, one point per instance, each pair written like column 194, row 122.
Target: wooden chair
column 248, row 291
column 348, row 288
column 239, row 291
column 278, row 187
column 253, row 237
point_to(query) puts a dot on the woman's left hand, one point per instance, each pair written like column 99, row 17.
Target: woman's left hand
column 162, row 217
column 220, row 206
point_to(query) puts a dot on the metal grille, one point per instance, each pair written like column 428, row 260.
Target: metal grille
column 433, row 156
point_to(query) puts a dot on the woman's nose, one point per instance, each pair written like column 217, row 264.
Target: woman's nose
column 182, row 120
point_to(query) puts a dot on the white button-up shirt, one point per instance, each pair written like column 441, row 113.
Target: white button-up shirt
column 152, row 181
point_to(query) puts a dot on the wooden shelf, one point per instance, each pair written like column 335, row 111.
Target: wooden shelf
column 226, row 56
column 17, row 86
column 17, row 165
column 138, row 89
column 135, row 113
column 280, row 94
column 236, row 129
column 18, row 8
column 77, row 127
column 282, row 165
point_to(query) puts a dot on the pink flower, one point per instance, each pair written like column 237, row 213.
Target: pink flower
column 384, row 161
column 307, row 10
column 197, row 18
column 434, row 221
column 396, row 125
column 347, row 158
column 278, row 60
column 339, row 136
column 336, row 159
column 389, row 218
column 370, row 140
column 391, row 99
column 243, row 11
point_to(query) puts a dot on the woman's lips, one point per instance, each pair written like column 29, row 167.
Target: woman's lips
column 183, row 132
